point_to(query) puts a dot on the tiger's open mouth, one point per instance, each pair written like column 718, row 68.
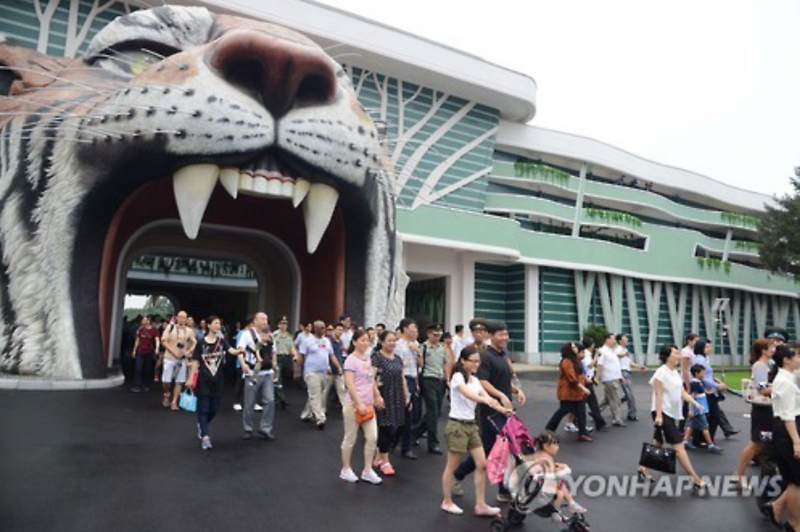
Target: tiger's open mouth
column 179, row 114
column 271, row 174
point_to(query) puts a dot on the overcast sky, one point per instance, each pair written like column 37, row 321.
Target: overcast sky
column 711, row 86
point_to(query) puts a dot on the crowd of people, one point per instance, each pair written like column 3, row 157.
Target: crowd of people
column 393, row 388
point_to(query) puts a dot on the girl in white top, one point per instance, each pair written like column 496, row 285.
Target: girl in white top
column 760, row 415
column 785, row 436
column 667, row 410
column 462, row 434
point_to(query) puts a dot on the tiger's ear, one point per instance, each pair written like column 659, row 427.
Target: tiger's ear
column 23, row 68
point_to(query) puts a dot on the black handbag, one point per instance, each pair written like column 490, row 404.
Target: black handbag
column 658, row 458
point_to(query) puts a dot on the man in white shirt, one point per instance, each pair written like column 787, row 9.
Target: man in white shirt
column 458, row 340
column 304, row 334
column 609, row 373
column 407, row 348
column 626, row 363
column 687, row 358
column 347, row 335
column 258, row 362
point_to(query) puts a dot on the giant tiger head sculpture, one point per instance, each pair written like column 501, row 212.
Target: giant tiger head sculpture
column 173, row 91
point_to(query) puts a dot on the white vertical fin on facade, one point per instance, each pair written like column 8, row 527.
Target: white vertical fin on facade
column 796, row 318
column 732, row 320
column 747, row 319
column 780, row 312
column 633, row 313
column 706, row 299
column 611, row 301
column 605, row 303
column 760, row 303
column 617, row 302
column 677, row 311
column 583, row 297
column 652, row 298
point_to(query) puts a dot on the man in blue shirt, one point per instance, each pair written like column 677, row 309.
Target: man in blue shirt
column 315, row 359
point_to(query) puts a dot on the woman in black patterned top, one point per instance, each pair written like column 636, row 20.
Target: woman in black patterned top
column 393, row 388
column 206, row 376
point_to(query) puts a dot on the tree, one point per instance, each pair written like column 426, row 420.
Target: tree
column 779, row 235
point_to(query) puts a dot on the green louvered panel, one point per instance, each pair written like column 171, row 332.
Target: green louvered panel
column 19, row 21
column 790, row 328
column 558, row 312
column 471, row 126
column 500, row 295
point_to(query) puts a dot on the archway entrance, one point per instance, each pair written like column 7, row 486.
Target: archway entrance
column 231, row 272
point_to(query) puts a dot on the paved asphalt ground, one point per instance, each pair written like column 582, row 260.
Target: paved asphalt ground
column 113, row 460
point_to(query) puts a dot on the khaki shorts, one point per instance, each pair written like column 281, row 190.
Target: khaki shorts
column 462, row 436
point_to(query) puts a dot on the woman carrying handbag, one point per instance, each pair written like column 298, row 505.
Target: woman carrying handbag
column 359, row 409
column 667, row 411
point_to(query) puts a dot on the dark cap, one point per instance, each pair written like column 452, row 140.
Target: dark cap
column 478, row 324
column 434, row 327
column 283, row 319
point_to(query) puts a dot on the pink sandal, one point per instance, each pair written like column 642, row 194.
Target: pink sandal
column 387, row 469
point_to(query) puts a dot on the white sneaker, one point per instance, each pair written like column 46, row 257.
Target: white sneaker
column 348, row 475
column 259, row 408
column 570, row 427
column 237, row 407
column 589, row 428
column 371, row 476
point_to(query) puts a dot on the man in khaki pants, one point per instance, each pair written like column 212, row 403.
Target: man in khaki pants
column 609, row 372
column 315, row 359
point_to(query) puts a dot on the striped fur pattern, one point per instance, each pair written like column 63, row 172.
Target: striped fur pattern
column 65, row 124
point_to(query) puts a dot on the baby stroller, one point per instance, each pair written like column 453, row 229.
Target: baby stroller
column 527, row 481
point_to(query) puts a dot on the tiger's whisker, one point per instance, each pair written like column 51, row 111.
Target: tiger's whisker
column 51, row 76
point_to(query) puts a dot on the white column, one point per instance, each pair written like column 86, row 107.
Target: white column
column 531, row 313
column 462, row 302
column 727, row 249
column 576, row 225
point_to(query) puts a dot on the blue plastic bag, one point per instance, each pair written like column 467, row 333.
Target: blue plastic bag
column 188, row 401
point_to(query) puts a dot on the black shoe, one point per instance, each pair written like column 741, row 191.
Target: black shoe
column 320, row 425
column 731, row 434
column 435, row 450
column 268, row 435
column 769, row 512
column 411, row 455
column 283, row 405
column 248, row 435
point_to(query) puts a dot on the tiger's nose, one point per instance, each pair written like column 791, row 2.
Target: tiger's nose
column 281, row 72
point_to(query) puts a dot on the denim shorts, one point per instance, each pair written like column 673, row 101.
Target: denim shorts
column 698, row 422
